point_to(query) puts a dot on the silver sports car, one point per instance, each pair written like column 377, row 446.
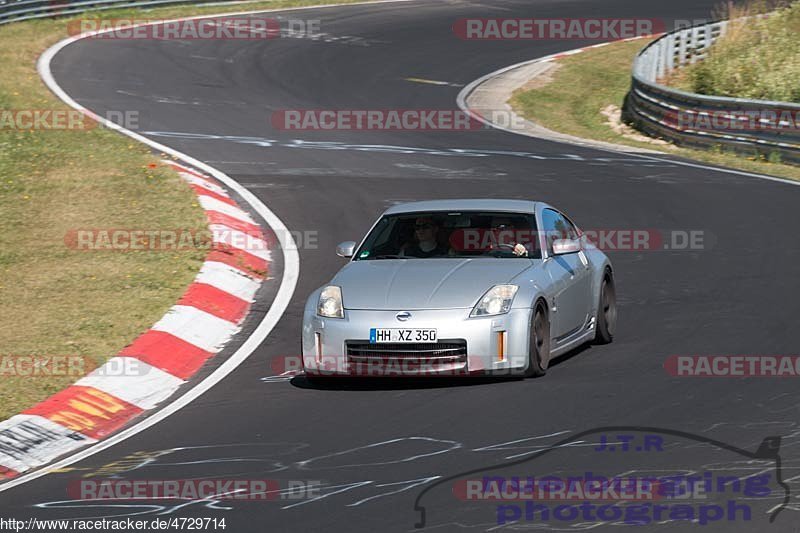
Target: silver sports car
column 460, row 287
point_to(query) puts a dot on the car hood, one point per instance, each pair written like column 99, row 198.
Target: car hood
column 406, row 284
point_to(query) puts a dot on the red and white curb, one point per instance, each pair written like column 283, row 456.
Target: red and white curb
column 159, row 361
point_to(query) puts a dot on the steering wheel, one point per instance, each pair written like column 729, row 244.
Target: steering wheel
column 499, row 252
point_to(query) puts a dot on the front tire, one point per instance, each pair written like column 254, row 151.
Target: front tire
column 539, row 350
column 606, row 311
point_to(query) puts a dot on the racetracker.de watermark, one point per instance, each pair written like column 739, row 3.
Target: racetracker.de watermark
column 607, row 240
column 62, row 119
column 736, row 120
column 215, row 28
column 193, row 489
column 733, row 366
column 43, row 366
column 383, row 120
column 172, row 240
column 44, row 119
column 550, row 488
column 386, row 364
column 683, row 497
column 605, row 29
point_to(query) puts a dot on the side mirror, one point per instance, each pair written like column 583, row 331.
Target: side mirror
column 346, row 249
column 566, row 246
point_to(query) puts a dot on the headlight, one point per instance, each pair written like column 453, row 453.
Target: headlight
column 330, row 302
column 496, row 301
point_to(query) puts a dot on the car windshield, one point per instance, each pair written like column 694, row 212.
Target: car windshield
column 452, row 235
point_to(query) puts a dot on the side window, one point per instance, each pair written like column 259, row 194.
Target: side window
column 556, row 226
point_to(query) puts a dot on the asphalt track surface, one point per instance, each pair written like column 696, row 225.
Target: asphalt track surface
column 376, row 446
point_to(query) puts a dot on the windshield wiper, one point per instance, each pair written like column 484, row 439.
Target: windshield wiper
column 390, row 256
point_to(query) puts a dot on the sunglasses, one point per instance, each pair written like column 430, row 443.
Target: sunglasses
column 423, row 226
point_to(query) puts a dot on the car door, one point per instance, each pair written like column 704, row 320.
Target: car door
column 571, row 276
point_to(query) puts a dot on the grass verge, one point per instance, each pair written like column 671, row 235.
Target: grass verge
column 59, row 301
column 590, row 82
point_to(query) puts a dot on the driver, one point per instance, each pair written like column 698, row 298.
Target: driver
column 504, row 233
column 426, row 242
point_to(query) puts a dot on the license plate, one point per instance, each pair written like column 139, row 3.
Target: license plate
column 378, row 335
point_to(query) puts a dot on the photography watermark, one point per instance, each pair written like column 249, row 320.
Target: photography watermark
column 614, row 240
column 733, row 366
column 49, row 365
column 630, row 443
column 630, row 514
column 193, row 489
column 677, row 496
column 588, row 487
column 42, row 366
column 374, row 120
column 377, row 364
column 173, row 240
column 174, row 523
column 704, row 489
column 605, row 29
column 386, row 363
column 62, row 119
column 736, row 120
column 213, row 28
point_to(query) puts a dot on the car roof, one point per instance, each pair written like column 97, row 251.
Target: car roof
column 475, row 204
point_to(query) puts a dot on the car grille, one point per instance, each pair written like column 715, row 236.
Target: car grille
column 452, row 353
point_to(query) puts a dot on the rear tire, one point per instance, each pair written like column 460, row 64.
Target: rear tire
column 606, row 311
column 539, row 350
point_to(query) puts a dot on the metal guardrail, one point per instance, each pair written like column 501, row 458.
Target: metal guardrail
column 18, row 10
column 752, row 127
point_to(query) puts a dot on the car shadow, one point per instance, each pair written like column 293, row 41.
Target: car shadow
column 393, row 383
column 575, row 352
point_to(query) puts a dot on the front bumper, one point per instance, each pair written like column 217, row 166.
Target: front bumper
column 325, row 344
